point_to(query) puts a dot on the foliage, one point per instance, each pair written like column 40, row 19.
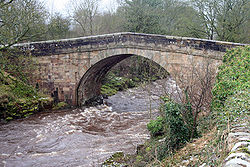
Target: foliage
column 231, row 92
column 187, row 24
column 223, row 19
column 18, row 98
column 169, row 17
column 177, row 131
column 143, row 16
column 17, row 65
column 27, row 20
column 232, row 20
column 110, row 21
column 172, row 127
column 156, row 127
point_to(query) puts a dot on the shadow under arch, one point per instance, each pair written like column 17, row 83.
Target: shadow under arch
column 90, row 84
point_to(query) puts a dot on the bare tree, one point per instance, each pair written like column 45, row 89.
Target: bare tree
column 84, row 13
column 196, row 85
column 223, row 19
column 232, row 20
column 207, row 10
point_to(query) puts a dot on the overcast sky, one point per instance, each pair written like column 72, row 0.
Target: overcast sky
column 61, row 5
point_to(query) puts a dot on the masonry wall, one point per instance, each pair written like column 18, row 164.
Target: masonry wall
column 60, row 74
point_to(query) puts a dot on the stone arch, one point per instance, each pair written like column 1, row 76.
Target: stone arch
column 90, row 83
column 158, row 57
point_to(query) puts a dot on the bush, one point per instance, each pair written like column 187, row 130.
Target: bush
column 176, row 129
column 156, row 127
column 171, row 126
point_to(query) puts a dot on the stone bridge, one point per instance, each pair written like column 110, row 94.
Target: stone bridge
column 72, row 69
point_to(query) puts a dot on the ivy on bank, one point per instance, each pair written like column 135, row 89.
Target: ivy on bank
column 231, row 92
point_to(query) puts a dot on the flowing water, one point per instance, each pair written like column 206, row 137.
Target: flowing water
column 82, row 137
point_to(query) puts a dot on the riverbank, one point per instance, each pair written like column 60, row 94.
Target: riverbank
column 19, row 100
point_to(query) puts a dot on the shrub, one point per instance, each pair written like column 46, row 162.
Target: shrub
column 176, row 129
column 156, row 127
column 171, row 126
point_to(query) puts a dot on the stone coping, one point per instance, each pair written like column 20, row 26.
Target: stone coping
column 239, row 145
column 124, row 40
column 131, row 33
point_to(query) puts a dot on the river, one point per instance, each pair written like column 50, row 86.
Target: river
column 83, row 137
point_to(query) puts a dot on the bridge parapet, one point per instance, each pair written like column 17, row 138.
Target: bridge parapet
column 126, row 40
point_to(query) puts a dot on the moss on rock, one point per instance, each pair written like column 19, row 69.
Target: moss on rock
column 61, row 105
column 116, row 160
